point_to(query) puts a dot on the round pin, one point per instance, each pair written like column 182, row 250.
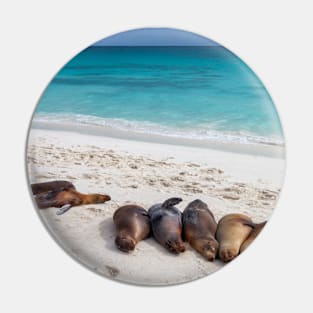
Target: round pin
column 155, row 156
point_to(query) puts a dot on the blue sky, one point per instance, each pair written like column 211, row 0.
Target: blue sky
column 156, row 37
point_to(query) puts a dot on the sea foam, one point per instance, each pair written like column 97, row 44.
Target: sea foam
column 203, row 132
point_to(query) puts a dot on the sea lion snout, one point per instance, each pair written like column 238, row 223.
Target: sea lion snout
column 210, row 249
column 175, row 246
column 210, row 256
column 125, row 244
column 227, row 254
column 102, row 198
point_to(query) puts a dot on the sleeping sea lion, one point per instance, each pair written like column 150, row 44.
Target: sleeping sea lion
column 254, row 233
column 232, row 231
column 166, row 224
column 51, row 185
column 67, row 198
column 199, row 227
column 132, row 225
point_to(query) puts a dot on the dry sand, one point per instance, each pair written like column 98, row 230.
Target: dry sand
column 146, row 173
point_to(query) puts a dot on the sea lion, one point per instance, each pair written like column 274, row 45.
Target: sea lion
column 51, row 185
column 254, row 233
column 67, row 198
column 166, row 224
column 132, row 225
column 232, row 231
column 199, row 227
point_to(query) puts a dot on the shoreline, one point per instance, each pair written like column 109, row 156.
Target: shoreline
column 259, row 149
column 240, row 166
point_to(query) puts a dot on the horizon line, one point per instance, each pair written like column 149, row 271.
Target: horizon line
column 135, row 46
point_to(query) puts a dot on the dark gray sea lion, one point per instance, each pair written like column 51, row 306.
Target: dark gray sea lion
column 67, row 198
column 132, row 225
column 254, row 233
column 232, row 231
column 199, row 227
column 166, row 224
column 54, row 185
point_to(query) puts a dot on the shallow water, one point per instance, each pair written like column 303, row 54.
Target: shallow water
column 188, row 92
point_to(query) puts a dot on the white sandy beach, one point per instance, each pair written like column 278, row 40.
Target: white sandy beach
column 146, row 173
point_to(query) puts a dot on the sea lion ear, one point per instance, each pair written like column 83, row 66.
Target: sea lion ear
column 171, row 202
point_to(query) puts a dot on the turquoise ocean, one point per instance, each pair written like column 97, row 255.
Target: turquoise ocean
column 195, row 92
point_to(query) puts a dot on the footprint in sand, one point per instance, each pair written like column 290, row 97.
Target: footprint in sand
column 230, row 197
column 193, row 165
column 177, row 178
column 212, row 171
column 133, row 166
column 113, row 271
column 165, row 184
column 191, row 188
column 267, row 195
column 151, row 182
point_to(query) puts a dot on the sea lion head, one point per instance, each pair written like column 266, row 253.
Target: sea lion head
column 125, row 243
column 98, row 198
column 227, row 254
column 208, row 248
column 175, row 245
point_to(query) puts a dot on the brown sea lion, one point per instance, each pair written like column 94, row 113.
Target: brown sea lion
column 254, row 233
column 67, row 198
column 232, row 231
column 166, row 224
column 199, row 227
column 132, row 225
column 51, row 185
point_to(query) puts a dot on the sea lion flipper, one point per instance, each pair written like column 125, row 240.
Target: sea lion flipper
column 63, row 209
column 250, row 224
column 171, row 202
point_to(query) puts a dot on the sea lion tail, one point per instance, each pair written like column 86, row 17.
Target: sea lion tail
column 171, row 202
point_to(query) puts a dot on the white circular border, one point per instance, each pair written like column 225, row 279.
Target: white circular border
column 274, row 40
